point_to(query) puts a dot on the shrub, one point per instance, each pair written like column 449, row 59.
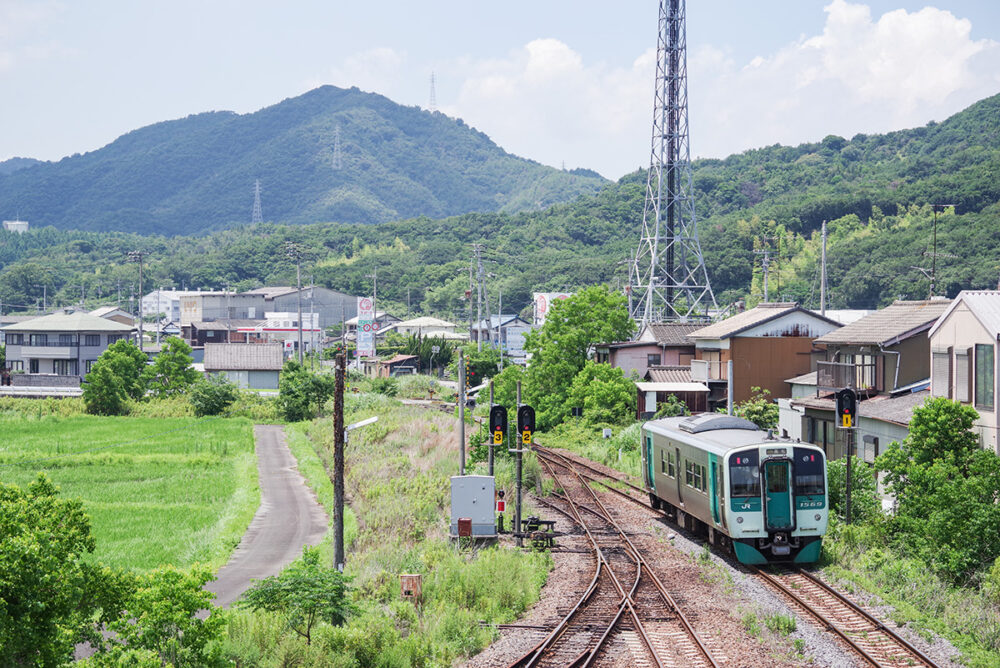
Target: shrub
column 103, row 391
column 387, row 386
column 212, row 395
column 301, row 394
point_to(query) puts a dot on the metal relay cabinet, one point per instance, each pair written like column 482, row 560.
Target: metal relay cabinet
column 472, row 497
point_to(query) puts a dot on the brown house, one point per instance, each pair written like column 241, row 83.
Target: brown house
column 767, row 344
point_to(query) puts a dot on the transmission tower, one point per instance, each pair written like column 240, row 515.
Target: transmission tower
column 257, row 216
column 338, row 159
column 482, row 298
column 433, row 100
column 668, row 280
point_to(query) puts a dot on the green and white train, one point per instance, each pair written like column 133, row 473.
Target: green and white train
column 760, row 497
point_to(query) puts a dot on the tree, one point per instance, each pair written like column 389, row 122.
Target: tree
column 49, row 594
column 304, row 593
column 124, row 359
column 559, row 349
column 103, row 392
column 171, row 372
column 672, row 407
column 604, row 394
column 758, row 409
column 301, row 394
column 212, row 395
column 161, row 616
column 945, row 488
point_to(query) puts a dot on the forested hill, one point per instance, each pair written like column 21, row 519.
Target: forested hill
column 875, row 192
column 197, row 173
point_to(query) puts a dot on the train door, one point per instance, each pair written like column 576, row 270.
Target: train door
column 650, row 480
column 777, row 495
column 680, row 485
column 715, row 482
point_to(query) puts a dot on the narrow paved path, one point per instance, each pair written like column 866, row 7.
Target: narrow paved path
column 289, row 518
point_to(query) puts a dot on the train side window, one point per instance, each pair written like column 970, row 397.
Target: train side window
column 688, row 473
column 671, row 466
column 663, row 462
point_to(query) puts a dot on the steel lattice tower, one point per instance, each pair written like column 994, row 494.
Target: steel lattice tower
column 668, row 280
column 338, row 159
column 257, row 216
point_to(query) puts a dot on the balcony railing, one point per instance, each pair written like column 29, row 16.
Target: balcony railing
column 703, row 371
column 839, row 375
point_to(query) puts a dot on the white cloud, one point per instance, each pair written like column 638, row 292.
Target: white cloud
column 377, row 69
column 861, row 74
column 20, row 22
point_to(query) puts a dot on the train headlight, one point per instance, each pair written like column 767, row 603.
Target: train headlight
column 818, row 517
column 739, row 520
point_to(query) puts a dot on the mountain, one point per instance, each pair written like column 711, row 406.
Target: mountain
column 197, row 173
column 14, row 164
column 874, row 191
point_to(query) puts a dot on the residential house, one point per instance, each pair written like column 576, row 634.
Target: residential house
column 508, row 329
column 885, row 356
column 333, row 307
column 255, row 367
column 662, row 381
column 58, row 349
column 114, row 313
column 399, row 365
column 766, row 345
column 423, row 326
column 223, row 330
column 963, row 344
column 658, row 344
column 283, row 328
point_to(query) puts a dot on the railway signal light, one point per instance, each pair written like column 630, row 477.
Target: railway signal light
column 847, row 407
column 498, row 423
column 526, row 423
column 501, row 504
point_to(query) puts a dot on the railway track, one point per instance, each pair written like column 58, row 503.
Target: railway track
column 874, row 641
column 625, row 606
column 864, row 634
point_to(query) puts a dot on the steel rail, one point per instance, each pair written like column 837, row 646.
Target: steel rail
column 638, row 556
column 871, row 619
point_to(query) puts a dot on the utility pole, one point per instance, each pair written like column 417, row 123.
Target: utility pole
column 461, row 412
column 374, row 277
column 45, row 301
column 518, row 463
column 469, row 295
column 312, row 325
column 766, row 263
column 295, row 253
column 934, row 253
column 822, row 276
column 137, row 256
column 479, row 294
column 338, row 463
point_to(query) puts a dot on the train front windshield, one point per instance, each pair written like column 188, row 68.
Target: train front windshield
column 744, row 474
column 809, row 479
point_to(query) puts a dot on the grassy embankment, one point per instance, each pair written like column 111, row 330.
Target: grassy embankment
column 158, row 491
column 398, row 491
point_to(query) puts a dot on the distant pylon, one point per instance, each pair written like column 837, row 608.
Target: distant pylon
column 338, row 159
column 433, row 101
column 668, row 280
column 257, row 216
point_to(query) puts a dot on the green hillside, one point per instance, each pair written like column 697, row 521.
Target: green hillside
column 875, row 192
column 197, row 173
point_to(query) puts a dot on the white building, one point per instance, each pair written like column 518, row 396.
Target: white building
column 167, row 302
column 19, row 226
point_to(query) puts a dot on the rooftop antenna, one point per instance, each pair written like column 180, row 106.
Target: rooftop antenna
column 338, row 159
column 433, row 99
column 257, row 216
column 669, row 281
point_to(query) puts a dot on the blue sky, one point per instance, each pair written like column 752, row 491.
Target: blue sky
column 558, row 81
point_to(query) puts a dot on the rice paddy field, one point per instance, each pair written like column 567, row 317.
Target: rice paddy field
column 158, row 490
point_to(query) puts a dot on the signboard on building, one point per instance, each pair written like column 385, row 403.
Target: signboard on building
column 543, row 302
column 366, row 327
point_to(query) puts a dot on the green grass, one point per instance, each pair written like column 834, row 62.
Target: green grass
column 158, row 491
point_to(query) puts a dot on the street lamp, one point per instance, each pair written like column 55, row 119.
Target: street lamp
column 338, row 506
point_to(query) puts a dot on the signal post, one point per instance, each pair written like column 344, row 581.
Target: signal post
column 847, row 409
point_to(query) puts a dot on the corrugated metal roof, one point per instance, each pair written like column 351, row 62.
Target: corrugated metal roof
column 984, row 304
column 271, row 292
column 669, row 374
column 900, row 320
column 243, row 357
column 671, row 387
column 424, row 321
column 673, row 333
column 227, row 323
column 69, row 322
column 804, row 379
column 756, row 316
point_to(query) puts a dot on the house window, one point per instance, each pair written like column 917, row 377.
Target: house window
column 653, row 360
column 64, row 367
column 13, row 339
column 114, row 337
column 39, row 340
column 92, row 339
column 88, row 365
column 941, row 373
column 66, row 340
column 15, row 365
column 32, row 366
column 984, row 375
column 963, row 374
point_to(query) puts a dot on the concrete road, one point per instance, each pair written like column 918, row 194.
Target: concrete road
column 289, row 518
